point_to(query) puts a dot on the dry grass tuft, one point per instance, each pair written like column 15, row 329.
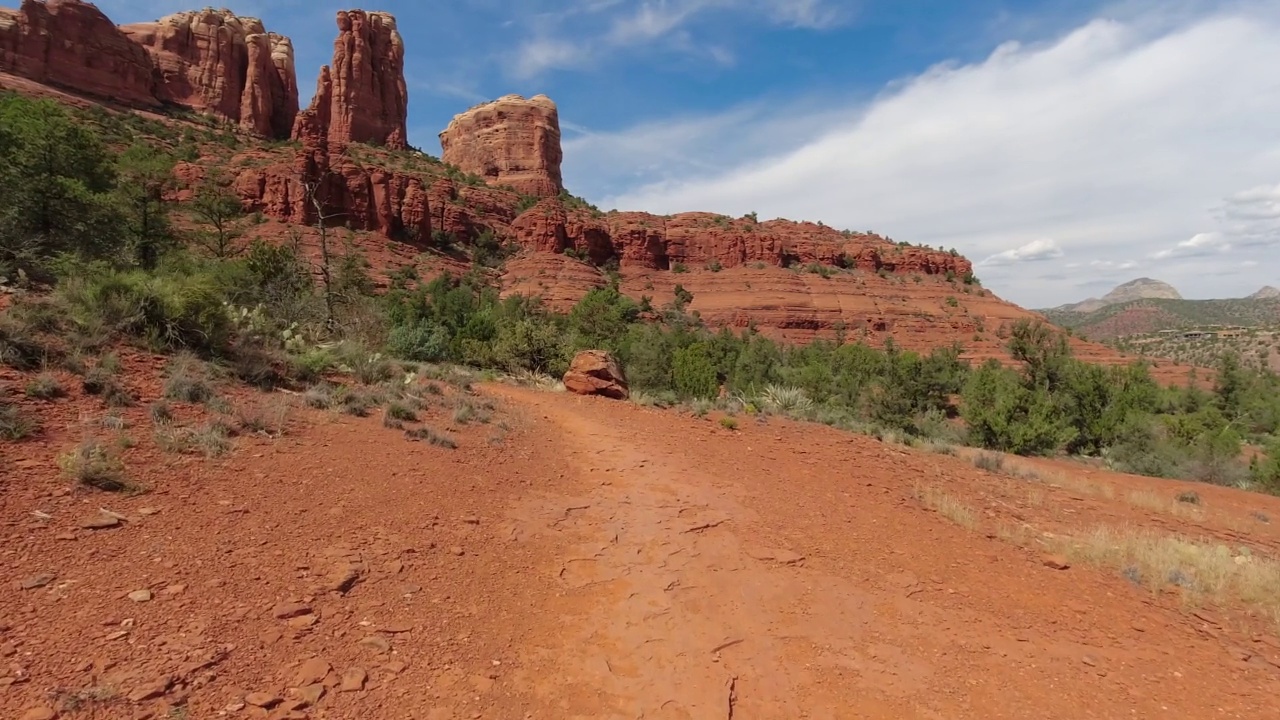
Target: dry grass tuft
column 1153, row 502
column 93, row 465
column 1205, row 571
column 426, row 434
column 947, row 505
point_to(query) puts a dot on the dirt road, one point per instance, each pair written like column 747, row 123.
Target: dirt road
column 596, row 560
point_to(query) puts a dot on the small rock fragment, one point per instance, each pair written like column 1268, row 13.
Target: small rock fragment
column 312, row 671
column 1056, row 562
column 40, row 713
column 101, row 521
column 38, row 581
column 302, row 622
column 140, row 596
column 353, row 679
column 376, row 643
column 148, row 511
column 457, row 551
column 151, row 690
column 396, row 628
column 311, row 694
column 284, row 611
column 263, row 700
column 343, row 578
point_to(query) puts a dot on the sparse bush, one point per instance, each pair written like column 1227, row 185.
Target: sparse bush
column 211, row 439
column 426, row 434
column 990, row 462
column 1190, row 497
column 400, row 411
column 188, row 380
column 45, row 387
column 357, row 403
column 20, row 348
column 14, row 424
column 93, row 465
column 265, row 418
column 729, row 423
column 161, row 412
column 320, row 396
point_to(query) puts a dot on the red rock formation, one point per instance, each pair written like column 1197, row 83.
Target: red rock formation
column 362, row 96
column 701, row 239
column 72, row 45
column 217, row 63
column 596, row 372
column 510, row 141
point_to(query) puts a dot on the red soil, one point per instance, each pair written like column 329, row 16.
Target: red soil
column 596, row 560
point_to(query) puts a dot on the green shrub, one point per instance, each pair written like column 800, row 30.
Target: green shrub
column 728, row 423
column 166, row 310
column 693, row 373
column 424, row 341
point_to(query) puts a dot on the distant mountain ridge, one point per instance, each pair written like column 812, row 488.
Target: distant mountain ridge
column 1139, row 289
column 1146, row 306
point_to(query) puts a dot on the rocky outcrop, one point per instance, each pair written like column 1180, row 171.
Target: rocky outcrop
column 220, row 64
column 596, row 372
column 697, row 240
column 362, row 96
column 510, row 141
column 72, row 45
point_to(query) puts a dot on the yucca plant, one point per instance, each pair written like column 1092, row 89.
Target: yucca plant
column 785, row 400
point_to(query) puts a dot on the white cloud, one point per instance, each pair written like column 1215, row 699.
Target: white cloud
column 1110, row 140
column 1034, row 251
column 599, row 29
column 539, row 55
column 1200, row 244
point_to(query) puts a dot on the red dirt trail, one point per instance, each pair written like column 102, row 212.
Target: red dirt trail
column 597, row 560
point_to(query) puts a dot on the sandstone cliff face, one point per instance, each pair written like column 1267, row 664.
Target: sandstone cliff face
column 701, row 239
column 510, row 141
column 73, row 45
column 362, row 96
column 214, row 62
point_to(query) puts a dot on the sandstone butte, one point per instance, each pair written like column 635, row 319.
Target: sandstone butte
column 210, row 61
column 510, row 141
column 778, row 276
column 230, row 67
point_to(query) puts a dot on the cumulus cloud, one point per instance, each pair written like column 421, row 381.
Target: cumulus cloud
column 1034, row 251
column 1200, row 244
column 1110, row 139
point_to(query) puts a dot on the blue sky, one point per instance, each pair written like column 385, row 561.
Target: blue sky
column 1063, row 145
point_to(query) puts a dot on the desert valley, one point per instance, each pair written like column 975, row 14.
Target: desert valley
column 298, row 420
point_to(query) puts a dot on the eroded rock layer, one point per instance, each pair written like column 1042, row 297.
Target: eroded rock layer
column 362, row 96
column 215, row 62
column 72, row 45
column 510, row 141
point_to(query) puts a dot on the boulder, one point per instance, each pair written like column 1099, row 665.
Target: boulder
column 596, row 372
